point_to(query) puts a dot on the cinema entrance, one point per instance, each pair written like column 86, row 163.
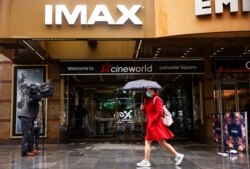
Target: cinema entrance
column 97, row 108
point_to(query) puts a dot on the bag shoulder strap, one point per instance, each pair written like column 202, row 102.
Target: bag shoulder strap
column 155, row 98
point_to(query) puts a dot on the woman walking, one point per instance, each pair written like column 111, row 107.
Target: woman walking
column 155, row 129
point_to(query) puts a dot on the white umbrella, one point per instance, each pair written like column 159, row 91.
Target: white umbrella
column 141, row 84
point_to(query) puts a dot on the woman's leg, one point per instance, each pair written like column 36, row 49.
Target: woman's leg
column 147, row 149
column 168, row 147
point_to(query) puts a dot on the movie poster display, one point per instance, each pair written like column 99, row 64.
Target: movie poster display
column 216, row 127
column 24, row 76
column 234, row 131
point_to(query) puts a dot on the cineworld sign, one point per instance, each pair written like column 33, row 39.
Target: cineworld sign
column 101, row 13
column 132, row 67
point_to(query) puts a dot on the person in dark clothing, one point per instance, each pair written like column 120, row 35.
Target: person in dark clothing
column 29, row 109
column 37, row 129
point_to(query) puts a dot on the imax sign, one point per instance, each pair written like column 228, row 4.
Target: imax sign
column 101, row 13
column 204, row 7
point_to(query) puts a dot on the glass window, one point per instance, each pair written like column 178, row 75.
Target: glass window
column 227, row 76
column 243, row 96
column 228, row 97
column 243, row 76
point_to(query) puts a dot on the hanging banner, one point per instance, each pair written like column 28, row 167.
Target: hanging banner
column 234, row 130
column 195, row 66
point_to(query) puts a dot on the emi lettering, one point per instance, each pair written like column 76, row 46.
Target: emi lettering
column 204, row 7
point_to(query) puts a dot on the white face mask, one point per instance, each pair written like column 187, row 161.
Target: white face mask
column 148, row 94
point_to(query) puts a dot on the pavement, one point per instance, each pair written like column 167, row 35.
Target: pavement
column 106, row 155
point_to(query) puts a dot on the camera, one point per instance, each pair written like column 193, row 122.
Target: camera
column 40, row 91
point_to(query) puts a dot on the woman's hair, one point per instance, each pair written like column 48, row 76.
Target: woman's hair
column 154, row 89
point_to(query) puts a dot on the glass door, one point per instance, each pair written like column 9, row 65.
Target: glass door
column 178, row 99
column 233, row 97
column 228, row 97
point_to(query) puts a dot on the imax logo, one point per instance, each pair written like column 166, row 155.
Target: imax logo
column 100, row 14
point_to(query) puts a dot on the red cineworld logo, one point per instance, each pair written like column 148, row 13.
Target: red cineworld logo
column 108, row 68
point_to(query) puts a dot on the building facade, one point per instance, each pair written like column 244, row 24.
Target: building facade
column 198, row 51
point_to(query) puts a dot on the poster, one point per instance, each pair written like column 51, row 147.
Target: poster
column 24, row 76
column 234, row 129
column 217, row 127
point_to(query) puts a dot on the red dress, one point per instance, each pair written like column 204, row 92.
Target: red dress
column 155, row 129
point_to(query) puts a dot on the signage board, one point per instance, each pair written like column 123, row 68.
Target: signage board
column 227, row 65
column 195, row 66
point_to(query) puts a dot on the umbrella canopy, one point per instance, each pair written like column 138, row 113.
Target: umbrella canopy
column 141, row 84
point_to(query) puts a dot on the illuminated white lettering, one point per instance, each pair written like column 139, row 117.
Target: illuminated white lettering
column 100, row 14
column 129, row 14
column 48, row 14
column 248, row 64
column 203, row 7
column 246, row 5
column 71, row 18
column 219, row 4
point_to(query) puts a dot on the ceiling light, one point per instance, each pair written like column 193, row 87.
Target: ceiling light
column 218, row 50
column 211, row 56
column 182, row 56
column 185, row 54
column 156, row 54
column 157, row 51
column 158, row 48
column 190, row 48
column 222, row 48
column 187, row 51
column 244, row 53
column 215, row 53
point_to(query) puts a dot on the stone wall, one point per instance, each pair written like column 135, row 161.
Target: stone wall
column 5, row 98
column 53, row 113
column 53, row 104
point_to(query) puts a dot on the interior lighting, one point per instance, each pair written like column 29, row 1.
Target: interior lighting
column 182, row 56
column 158, row 48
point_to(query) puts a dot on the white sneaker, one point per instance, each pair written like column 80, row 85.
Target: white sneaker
column 178, row 159
column 144, row 163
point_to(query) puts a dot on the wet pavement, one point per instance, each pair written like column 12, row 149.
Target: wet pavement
column 119, row 156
